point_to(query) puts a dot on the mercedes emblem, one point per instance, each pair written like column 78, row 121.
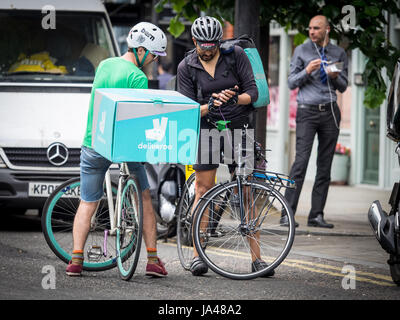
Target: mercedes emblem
column 57, row 153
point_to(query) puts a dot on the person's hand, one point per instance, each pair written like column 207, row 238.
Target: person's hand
column 333, row 75
column 228, row 94
column 225, row 97
column 214, row 102
column 313, row 65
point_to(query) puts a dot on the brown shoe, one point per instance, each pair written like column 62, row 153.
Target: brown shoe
column 74, row 270
column 156, row 269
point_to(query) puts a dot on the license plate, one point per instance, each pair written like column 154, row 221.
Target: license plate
column 42, row 189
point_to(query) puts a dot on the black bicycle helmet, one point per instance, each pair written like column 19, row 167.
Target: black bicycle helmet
column 207, row 29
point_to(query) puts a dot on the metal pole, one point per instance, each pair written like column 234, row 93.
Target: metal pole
column 283, row 122
column 246, row 11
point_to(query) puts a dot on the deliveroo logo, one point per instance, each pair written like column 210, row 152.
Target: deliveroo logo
column 158, row 131
column 157, row 135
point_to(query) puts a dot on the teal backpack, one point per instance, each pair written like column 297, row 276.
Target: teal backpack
column 244, row 41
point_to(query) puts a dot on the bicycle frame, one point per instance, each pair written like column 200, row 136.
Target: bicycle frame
column 276, row 180
column 245, row 226
column 239, row 176
column 110, row 201
column 123, row 174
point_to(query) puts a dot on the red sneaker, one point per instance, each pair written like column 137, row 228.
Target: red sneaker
column 156, row 269
column 74, row 269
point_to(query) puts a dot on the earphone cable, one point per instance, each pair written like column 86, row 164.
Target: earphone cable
column 328, row 80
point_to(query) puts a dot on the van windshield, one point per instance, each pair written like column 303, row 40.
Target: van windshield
column 67, row 47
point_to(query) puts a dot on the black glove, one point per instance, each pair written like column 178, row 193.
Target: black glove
column 234, row 99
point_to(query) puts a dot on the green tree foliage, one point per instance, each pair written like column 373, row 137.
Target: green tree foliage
column 368, row 33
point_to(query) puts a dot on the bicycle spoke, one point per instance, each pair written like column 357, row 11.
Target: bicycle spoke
column 57, row 223
column 259, row 234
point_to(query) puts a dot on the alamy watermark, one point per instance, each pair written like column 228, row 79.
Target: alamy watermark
column 236, row 145
column 349, row 280
column 49, row 280
column 349, row 20
column 49, row 18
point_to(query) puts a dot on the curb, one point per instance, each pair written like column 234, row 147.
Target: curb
column 335, row 234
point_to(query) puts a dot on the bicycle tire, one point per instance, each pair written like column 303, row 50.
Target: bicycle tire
column 184, row 223
column 130, row 224
column 168, row 229
column 57, row 222
column 219, row 251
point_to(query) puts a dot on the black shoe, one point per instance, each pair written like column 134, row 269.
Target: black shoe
column 284, row 222
column 198, row 267
column 259, row 264
column 319, row 222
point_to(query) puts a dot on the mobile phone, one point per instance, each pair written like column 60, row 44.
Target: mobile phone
column 335, row 67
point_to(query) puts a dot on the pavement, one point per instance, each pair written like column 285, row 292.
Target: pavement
column 346, row 207
column 352, row 240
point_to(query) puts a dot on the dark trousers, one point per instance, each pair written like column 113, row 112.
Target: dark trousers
column 311, row 121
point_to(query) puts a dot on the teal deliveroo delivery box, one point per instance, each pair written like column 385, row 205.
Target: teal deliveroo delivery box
column 145, row 125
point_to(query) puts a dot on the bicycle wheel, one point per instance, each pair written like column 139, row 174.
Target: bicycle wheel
column 57, row 222
column 129, row 228
column 230, row 248
column 184, row 223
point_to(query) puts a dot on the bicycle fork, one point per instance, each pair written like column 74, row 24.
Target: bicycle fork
column 95, row 251
column 243, row 227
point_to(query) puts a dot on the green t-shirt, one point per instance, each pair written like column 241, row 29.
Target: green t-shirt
column 113, row 73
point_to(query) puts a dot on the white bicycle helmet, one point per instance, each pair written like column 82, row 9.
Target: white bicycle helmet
column 148, row 36
column 206, row 29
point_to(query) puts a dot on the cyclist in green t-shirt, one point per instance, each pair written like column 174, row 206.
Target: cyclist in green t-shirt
column 145, row 43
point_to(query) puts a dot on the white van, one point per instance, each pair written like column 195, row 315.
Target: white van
column 48, row 57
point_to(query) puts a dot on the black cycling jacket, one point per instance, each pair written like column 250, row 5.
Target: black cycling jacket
column 224, row 78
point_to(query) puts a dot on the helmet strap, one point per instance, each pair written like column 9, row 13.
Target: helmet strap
column 140, row 63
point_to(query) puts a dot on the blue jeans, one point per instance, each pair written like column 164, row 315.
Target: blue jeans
column 93, row 169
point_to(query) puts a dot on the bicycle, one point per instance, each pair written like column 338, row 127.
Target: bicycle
column 233, row 217
column 166, row 182
column 184, row 223
column 125, row 224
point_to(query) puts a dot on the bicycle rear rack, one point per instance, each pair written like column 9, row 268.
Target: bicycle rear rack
column 273, row 178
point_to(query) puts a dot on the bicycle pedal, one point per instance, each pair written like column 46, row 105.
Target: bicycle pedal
column 95, row 253
column 216, row 234
column 129, row 232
